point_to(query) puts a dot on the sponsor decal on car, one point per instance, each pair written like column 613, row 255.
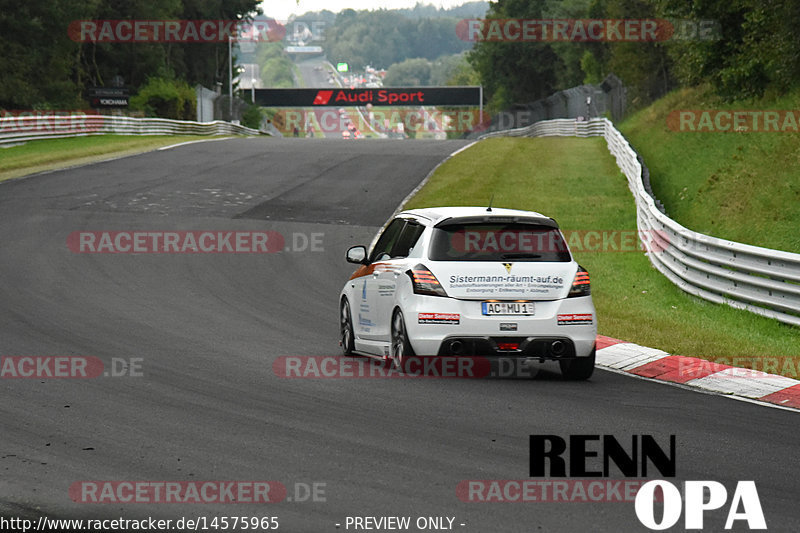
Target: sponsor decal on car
column 574, row 319
column 495, row 284
column 544, row 280
column 365, row 322
column 385, row 290
column 439, row 318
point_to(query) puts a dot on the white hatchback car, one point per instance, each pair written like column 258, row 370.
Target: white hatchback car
column 470, row 281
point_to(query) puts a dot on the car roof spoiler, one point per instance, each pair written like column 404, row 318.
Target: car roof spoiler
column 487, row 219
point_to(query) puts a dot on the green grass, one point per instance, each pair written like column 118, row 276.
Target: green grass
column 744, row 187
column 50, row 154
column 577, row 182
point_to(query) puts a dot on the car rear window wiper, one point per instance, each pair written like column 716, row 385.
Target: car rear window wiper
column 521, row 256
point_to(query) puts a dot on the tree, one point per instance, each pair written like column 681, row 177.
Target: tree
column 757, row 46
column 516, row 72
column 43, row 67
column 411, row 72
column 166, row 98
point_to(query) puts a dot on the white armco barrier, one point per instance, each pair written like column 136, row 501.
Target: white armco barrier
column 43, row 125
column 759, row 280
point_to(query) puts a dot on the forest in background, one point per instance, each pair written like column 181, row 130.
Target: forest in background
column 757, row 50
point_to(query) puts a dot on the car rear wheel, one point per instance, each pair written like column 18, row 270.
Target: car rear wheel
column 578, row 369
column 346, row 328
column 401, row 348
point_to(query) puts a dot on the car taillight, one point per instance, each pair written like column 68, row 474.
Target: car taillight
column 580, row 285
column 424, row 282
column 508, row 346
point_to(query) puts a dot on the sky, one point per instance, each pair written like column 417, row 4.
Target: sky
column 282, row 9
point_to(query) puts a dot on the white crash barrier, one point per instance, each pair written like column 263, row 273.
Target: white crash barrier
column 759, row 280
column 29, row 126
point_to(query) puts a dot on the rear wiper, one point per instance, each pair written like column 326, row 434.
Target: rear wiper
column 521, row 256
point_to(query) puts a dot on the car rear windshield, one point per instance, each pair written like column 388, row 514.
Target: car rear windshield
column 498, row 242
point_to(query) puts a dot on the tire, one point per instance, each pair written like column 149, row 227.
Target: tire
column 347, row 337
column 400, row 349
column 578, row 369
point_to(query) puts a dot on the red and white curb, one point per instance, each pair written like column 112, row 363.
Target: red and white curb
column 741, row 383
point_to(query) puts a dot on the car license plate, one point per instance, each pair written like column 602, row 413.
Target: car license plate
column 507, row 308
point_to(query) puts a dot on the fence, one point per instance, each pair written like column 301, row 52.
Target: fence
column 205, row 103
column 759, row 280
column 14, row 129
column 587, row 101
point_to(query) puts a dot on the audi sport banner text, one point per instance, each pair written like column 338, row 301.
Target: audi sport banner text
column 395, row 96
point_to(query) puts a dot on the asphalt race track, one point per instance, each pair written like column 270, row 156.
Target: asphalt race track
column 327, row 117
column 208, row 328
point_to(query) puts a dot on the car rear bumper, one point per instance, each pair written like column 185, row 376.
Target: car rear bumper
column 541, row 348
column 434, row 324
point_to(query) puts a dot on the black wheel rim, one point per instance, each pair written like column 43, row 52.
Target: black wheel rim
column 346, row 328
column 398, row 340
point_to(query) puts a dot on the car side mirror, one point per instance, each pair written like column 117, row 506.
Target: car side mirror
column 357, row 254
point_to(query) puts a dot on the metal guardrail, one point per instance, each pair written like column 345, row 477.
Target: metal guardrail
column 759, row 280
column 15, row 129
column 607, row 98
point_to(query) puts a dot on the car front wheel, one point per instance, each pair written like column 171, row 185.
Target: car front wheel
column 347, row 338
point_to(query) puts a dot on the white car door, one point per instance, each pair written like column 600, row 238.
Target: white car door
column 367, row 316
column 389, row 273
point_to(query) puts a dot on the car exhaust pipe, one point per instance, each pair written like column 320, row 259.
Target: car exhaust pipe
column 456, row 347
column 558, row 347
